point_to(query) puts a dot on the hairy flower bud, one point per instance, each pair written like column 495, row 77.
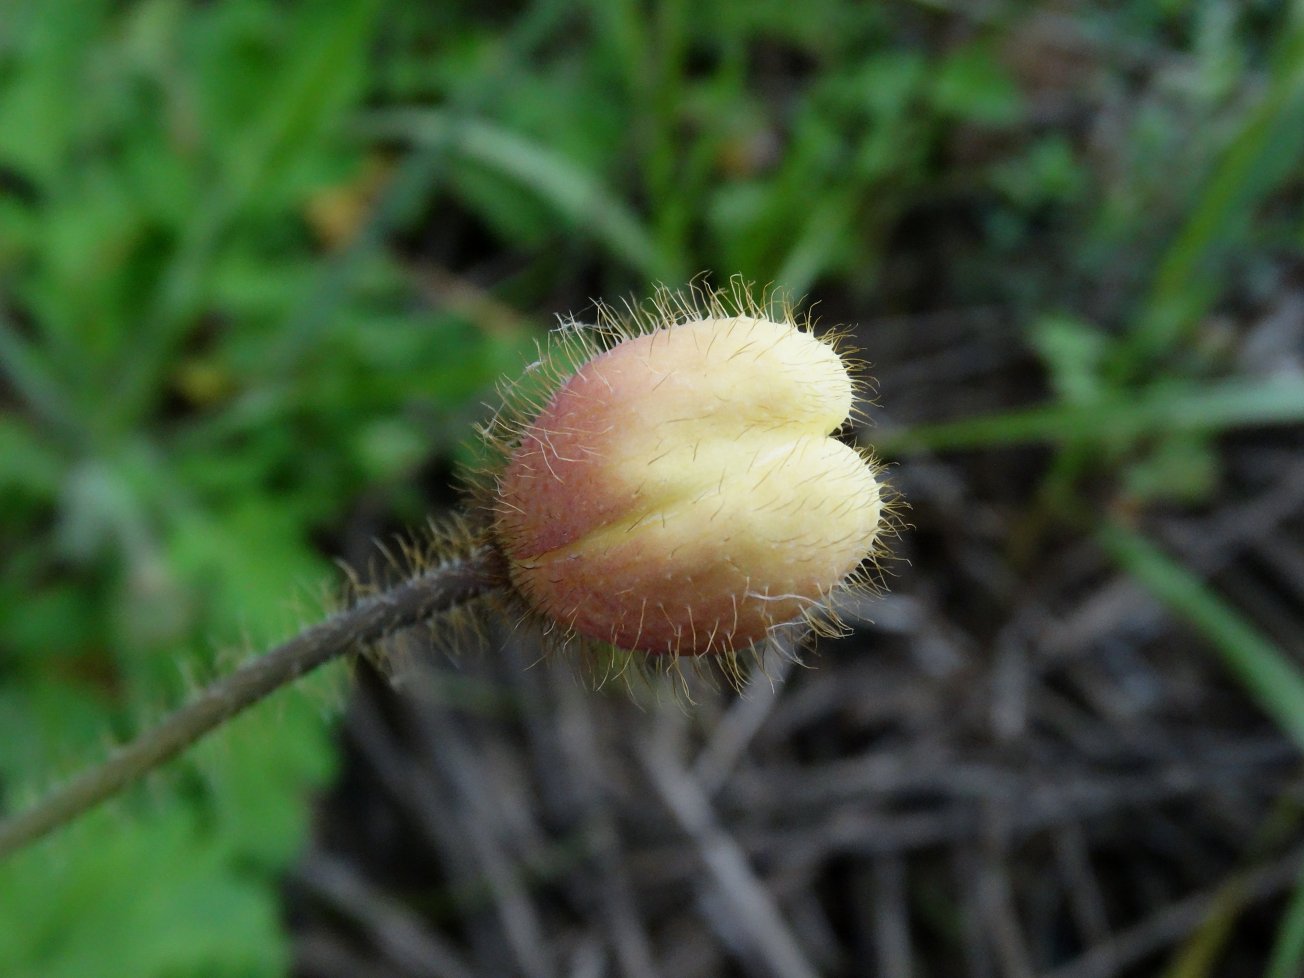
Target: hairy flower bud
column 681, row 494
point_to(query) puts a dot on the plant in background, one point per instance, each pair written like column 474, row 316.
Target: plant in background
column 674, row 490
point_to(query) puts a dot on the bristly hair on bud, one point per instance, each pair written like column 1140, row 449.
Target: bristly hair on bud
column 451, row 539
column 666, row 485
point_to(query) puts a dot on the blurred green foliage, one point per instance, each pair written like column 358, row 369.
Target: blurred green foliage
column 216, row 337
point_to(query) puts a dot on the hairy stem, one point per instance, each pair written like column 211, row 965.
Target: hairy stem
column 406, row 604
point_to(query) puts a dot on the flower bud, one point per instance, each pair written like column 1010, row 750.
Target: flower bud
column 681, row 494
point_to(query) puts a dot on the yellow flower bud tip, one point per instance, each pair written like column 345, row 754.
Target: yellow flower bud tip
column 680, row 492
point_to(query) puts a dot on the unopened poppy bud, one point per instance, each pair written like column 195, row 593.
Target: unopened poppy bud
column 680, row 493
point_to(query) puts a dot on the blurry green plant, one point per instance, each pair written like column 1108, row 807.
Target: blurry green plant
column 210, row 350
column 1149, row 402
column 192, row 394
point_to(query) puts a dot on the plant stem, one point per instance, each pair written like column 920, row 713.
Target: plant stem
column 406, row 604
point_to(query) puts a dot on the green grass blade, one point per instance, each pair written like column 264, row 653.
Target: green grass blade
column 21, row 364
column 575, row 194
column 1265, row 152
column 814, row 246
column 1117, row 417
column 1287, row 958
column 1274, row 681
